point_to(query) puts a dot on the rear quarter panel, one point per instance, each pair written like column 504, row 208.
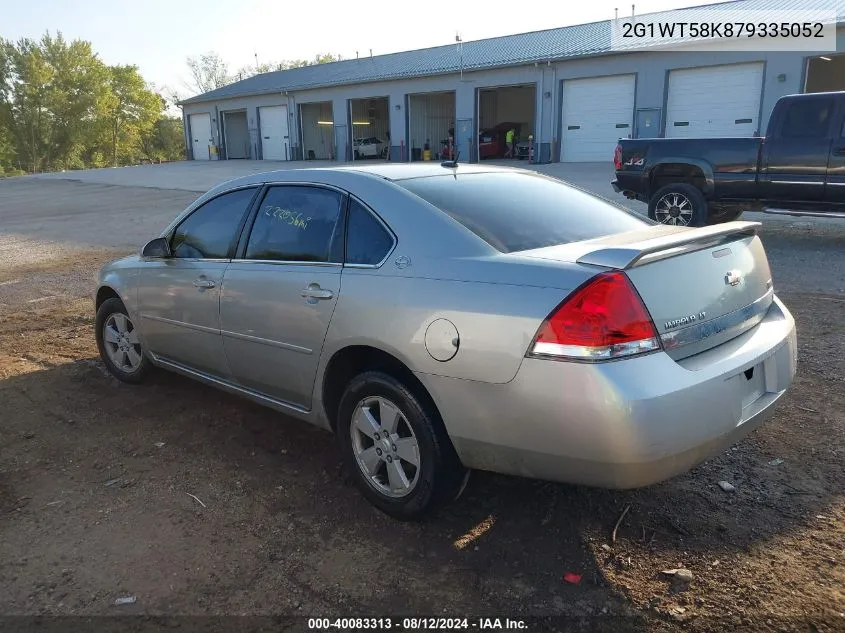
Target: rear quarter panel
column 496, row 323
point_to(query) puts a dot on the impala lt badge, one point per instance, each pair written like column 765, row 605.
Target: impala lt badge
column 733, row 277
column 685, row 320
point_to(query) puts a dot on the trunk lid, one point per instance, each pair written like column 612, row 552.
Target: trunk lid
column 702, row 286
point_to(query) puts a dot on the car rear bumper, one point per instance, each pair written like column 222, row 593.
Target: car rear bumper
column 621, row 424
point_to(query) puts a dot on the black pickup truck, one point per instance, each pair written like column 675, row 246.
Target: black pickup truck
column 798, row 168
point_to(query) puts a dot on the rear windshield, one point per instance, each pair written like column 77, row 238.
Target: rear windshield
column 518, row 212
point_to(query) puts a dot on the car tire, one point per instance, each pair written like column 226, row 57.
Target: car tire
column 669, row 205
column 357, row 154
column 415, row 434
column 118, row 342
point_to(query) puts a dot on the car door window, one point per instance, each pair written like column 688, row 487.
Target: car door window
column 296, row 224
column 367, row 241
column 210, row 232
column 807, row 119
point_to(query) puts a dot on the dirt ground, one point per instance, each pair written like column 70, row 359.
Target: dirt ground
column 197, row 502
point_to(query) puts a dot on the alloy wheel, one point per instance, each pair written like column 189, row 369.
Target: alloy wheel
column 385, row 447
column 120, row 340
column 675, row 209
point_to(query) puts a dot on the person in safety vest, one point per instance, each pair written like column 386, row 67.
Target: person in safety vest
column 509, row 142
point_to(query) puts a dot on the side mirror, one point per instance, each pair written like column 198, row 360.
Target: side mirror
column 159, row 247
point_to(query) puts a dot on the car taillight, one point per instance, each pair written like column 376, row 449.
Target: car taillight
column 617, row 158
column 603, row 319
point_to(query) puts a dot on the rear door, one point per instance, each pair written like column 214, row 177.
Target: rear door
column 280, row 292
column 795, row 155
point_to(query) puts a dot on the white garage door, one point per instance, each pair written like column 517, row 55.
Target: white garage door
column 200, row 125
column 715, row 101
column 275, row 139
column 597, row 112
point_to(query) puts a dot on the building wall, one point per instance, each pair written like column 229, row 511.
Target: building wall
column 784, row 74
column 251, row 105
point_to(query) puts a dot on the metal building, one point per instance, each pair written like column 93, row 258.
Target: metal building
column 569, row 90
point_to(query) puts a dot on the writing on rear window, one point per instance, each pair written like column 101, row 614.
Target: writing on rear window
column 285, row 215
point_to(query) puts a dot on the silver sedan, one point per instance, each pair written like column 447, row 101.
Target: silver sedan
column 440, row 319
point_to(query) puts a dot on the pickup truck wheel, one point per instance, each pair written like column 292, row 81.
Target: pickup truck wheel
column 678, row 204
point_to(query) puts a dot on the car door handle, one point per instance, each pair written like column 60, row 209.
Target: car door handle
column 313, row 291
column 204, row 283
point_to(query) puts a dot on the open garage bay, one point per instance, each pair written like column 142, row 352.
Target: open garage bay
column 369, row 128
column 502, row 109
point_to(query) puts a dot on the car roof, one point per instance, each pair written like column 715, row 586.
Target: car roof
column 392, row 172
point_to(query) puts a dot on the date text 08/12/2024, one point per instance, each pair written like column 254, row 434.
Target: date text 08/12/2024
column 416, row 624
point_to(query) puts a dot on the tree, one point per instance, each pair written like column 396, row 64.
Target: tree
column 208, row 72
column 7, row 146
column 130, row 111
column 31, row 80
column 61, row 107
column 80, row 83
column 165, row 140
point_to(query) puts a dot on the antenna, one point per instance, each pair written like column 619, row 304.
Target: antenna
column 371, row 53
column 633, row 6
column 451, row 164
column 616, row 13
column 256, row 60
column 460, row 44
column 356, row 54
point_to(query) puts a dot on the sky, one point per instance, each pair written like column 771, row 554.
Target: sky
column 158, row 35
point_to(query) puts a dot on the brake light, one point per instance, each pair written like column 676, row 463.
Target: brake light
column 617, row 158
column 603, row 319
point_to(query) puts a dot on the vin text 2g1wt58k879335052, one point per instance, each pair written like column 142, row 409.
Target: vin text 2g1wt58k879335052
column 798, row 168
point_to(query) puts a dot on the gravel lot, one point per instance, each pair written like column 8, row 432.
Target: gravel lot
column 96, row 477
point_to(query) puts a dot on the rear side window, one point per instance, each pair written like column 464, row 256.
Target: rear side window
column 367, row 241
column 296, row 224
column 517, row 212
column 808, row 118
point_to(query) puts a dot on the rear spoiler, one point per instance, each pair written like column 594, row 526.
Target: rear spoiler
column 665, row 246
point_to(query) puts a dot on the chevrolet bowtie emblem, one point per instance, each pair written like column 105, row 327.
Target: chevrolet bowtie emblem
column 733, row 277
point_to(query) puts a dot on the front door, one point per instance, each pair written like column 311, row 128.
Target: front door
column 179, row 296
column 280, row 292
column 795, row 156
